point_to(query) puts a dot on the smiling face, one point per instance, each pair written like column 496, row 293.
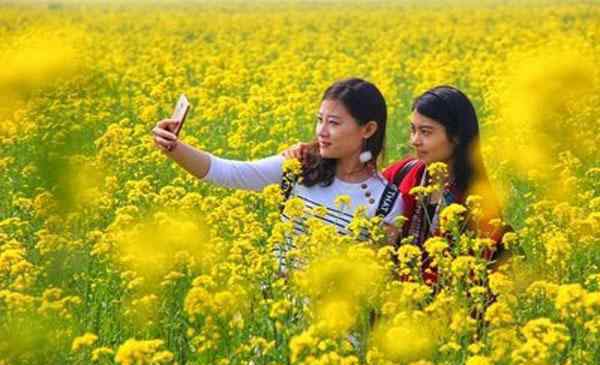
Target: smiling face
column 338, row 133
column 430, row 140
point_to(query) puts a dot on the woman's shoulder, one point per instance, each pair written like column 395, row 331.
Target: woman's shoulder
column 392, row 170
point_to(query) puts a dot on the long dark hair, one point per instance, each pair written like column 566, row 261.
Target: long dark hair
column 365, row 103
column 453, row 109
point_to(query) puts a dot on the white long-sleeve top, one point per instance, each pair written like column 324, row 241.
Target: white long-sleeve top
column 256, row 175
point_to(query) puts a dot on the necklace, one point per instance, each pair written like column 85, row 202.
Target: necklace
column 422, row 226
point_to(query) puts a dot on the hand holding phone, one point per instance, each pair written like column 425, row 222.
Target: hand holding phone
column 181, row 110
column 179, row 114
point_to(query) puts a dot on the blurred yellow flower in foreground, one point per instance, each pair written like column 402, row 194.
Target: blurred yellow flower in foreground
column 353, row 274
column 39, row 60
column 335, row 317
column 409, row 337
column 134, row 352
column 86, row 340
column 154, row 246
column 547, row 108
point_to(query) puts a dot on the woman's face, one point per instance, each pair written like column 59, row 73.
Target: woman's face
column 430, row 140
column 338, row 133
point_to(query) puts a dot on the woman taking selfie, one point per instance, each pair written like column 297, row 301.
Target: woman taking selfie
column 350, row 134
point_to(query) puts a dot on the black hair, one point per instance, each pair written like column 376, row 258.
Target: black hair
column 365, row 103
column 452, row 108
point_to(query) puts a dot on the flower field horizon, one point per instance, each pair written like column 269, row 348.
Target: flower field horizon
column 112, row 254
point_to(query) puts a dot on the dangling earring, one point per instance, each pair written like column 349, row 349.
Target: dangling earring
column 366, row 155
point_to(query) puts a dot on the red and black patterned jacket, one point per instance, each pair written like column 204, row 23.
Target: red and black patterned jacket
column 412, row 178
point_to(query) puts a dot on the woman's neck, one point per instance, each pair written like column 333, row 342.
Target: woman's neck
column 352, row 170
column 450, row 165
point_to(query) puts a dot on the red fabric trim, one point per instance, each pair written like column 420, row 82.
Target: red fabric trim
column 412, row 179
column 393, row 169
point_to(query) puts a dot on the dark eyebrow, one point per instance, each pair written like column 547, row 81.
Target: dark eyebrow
column 412, row 124
column 320, row 115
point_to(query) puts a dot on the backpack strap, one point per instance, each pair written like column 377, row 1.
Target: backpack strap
column 387, row 200
column 287, row 184
column 397, row 180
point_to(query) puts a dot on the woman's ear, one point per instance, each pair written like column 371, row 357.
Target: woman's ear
column 369, row 129
column 455, row 140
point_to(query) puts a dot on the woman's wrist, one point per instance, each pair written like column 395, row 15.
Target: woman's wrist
column 195, row 161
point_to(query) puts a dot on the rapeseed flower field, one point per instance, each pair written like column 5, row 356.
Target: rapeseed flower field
column 111, row 254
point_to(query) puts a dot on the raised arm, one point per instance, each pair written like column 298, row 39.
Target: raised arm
column 194, row 161
column 248, row 175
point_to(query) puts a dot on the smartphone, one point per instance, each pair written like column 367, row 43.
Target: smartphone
column 181, row 110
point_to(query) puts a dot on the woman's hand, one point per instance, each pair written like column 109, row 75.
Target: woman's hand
column 164, row 134
column 298, row 151
column 194, row 161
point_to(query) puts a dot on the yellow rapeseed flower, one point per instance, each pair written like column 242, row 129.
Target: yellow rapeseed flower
column 451, row 217
column 85, row 340
column 343, row 201
column 140, row 352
